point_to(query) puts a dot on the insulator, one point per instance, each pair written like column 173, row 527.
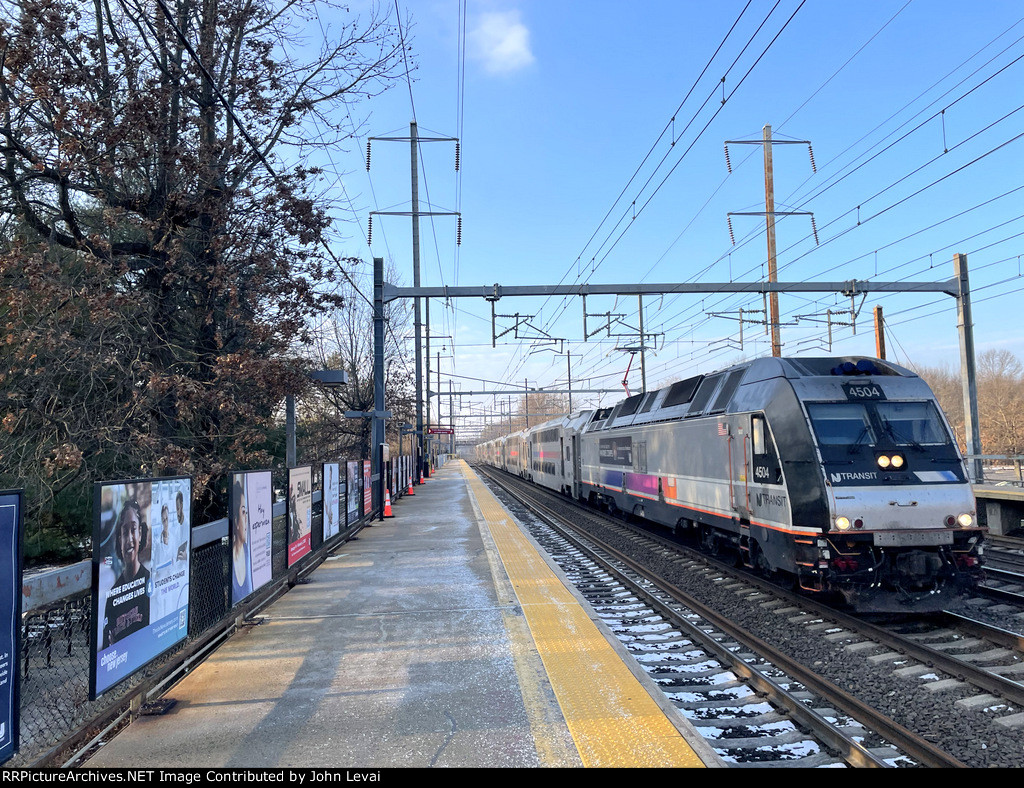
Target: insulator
column 810, row 150
column 367, row 155
column 457, row 155
column 369, row 232
column 728, row 163
column 814, row 227
column 732, row 237
column 458, row 232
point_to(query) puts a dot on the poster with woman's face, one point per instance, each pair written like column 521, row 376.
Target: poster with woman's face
column 332, row 489
column 251, row 518
column 141, row 554
column 300, row 512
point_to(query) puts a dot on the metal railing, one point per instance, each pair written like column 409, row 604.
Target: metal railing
column 998, row 469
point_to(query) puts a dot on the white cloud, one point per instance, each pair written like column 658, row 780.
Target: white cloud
column 502, row 42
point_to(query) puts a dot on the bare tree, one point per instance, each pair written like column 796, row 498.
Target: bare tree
column 346, row 342
column 1000, row 400
column 163, row 249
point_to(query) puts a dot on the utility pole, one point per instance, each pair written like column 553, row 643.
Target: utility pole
column 413, row 152
column 379, row 414
column 879, row 334
column 568, row 372
column 422, row 383
column 643, row 349
column 769, row 213
column 968, row 372
column 769, row 207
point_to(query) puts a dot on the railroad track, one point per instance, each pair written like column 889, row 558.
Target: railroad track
column 751, row 701
column 1004, row 571
column 931, row 669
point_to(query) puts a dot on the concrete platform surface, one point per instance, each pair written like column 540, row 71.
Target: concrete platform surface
column 408, row 647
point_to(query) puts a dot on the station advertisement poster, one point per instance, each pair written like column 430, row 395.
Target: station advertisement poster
column 251, row 517
column 300, row 512
column 10, row 621
column 367, row 488
column 331, row 498
column 140, row 572
column 353, row 491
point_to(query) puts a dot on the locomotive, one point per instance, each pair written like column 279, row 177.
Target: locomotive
column 841, row 473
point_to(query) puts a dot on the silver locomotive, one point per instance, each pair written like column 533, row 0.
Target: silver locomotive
column 841, row 473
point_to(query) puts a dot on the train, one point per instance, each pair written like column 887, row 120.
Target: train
column 838, row 473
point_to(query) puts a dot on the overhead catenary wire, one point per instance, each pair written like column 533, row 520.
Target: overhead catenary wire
column 689, row 148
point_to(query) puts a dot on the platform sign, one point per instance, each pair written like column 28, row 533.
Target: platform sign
column 10, row 621
column 353, row 491
column 252, row 513
column 300, row 512
column 140, row 572
column 331, row 495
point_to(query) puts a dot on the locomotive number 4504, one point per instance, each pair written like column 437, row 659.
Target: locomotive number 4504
column 863, row 391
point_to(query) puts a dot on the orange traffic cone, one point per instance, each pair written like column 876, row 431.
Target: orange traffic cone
column 410, row 488
column 421, row 477
column 387, row 503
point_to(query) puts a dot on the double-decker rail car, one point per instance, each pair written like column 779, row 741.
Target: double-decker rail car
column 841, row 472
column 554, row 450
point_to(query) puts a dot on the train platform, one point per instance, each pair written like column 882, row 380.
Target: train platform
column 442, row 637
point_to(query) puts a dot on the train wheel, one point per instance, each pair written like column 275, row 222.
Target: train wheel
column 708, row 540
column 759, row 561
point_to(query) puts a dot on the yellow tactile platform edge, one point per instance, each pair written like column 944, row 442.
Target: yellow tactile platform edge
column 613, row 720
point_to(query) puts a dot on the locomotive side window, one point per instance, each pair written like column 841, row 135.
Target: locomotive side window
column 757, row 434
column 841, row 424
column 765, row 460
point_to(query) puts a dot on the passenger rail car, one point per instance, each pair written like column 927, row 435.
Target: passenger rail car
column 841, row 472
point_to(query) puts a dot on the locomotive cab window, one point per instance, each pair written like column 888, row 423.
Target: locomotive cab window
column 841, row 423
column 757, row 434
column 912, row 423
column 767, row 469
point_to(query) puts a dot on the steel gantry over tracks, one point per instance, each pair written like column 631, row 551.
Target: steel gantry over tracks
column 958, row 287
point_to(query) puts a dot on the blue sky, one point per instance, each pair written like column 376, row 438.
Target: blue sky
column 915, row 112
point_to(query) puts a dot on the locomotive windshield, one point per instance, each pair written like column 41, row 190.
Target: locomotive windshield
column 841, row 423
column 855, row 424
column 912, row 423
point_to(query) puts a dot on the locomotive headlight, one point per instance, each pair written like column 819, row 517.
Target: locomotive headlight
column 965, row 520
column 842, row 523
column 883, row 461
column 897, row 461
